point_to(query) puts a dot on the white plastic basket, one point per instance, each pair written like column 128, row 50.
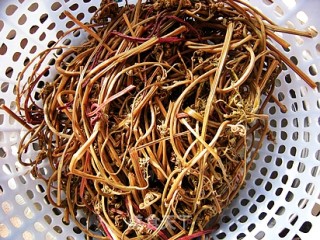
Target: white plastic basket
column 281, row 198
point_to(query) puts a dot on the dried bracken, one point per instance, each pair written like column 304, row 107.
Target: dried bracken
column 152, row 123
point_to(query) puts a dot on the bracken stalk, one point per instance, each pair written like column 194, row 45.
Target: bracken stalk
column 151, row 125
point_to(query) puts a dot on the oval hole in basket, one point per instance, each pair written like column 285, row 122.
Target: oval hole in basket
column 295, row 183
column 11, row 9
column 42, row 36
column 33, row 7
column 261, row 197
column 77, row 230
column 251, row 227
column 33, row 29
column 43, row 18
column 268, row 159
column 270, row 205
column 48, row 219
column 303, row 203
column 26, row 235
column 2, row 152
column 284, row 178
column 28, row 213
column 315, row 171
column 287, row 78
column 315, row 211
column 3, row 49
column 283, row 135
column 37, row 206
column 278, row 11
column 39, row 227
column 76, row 33
column 253, row 208
column 225, row 219
column 11, row 35
column 268, row 2
column 278, row 162
column 306, row 227
column 4, row 231
column 6, row 169
column 241, row 236
column 6, row 207
column 304, row 153
column 318, row 47
column 260, row 235
column 50, row 236
column 299, row 40
column 30, row 194
column 306, row 136
column 310, row 188
column 294, row 107
column 55, row 6
column 289, row 196
column 313, row 30
column 306, row 54
column 23, row 43
column 58, row 229
column 279, row 191
column 273, row 175
column 12, row 183
column 92, row 9
column 233, row 227
column 22, row 20
column 293, row 219
column 273, row 123
column 284, row 232
column 251, row 192
column 294, row 60
column 221, row 235
column 20, row 200
column 280, row 211
column 235, row 211
column 302, row 17
column 22, row 179
column 74, row 7
column 244, row 202
column 51, row 26
column 295, row 136
column 4, row 87
column 80, row 16
column 313, row 70
column 293, row 151
column 70, row 24
column 272, row 222
column 1, row 25
column 16, row 56
column 290, row 3
column 264, row 171
column 33, row 49
column 16, row 222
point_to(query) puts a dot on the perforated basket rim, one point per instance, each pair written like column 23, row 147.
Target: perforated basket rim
column 281, row 197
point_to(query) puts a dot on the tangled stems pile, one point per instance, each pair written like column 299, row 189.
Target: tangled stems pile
column 152, row 123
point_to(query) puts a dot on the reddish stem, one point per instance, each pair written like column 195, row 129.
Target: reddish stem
column 97, row 108
column 148, row 225
column 142, row 40
column 34, row 116
column 198, row 234
column 105, row 229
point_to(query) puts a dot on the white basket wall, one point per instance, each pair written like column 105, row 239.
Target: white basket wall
column 281, row 198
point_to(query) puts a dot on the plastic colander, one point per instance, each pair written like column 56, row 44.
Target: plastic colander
column 280, row 199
